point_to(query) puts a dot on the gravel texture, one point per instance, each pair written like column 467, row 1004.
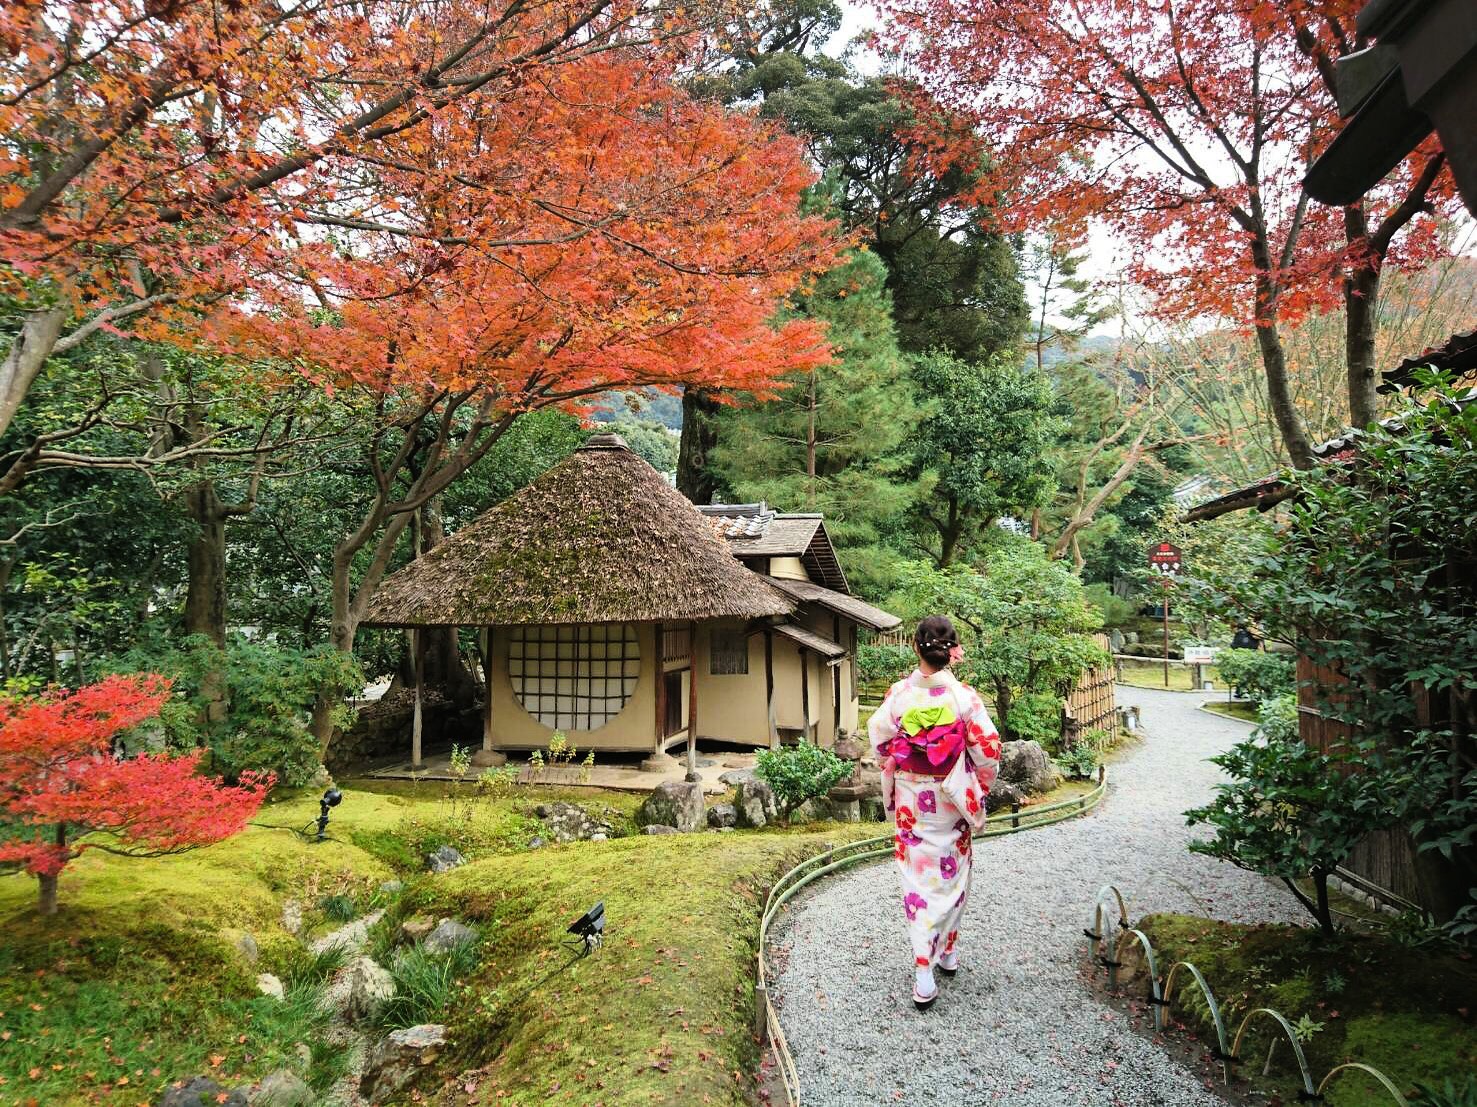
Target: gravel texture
column 1019, row 1024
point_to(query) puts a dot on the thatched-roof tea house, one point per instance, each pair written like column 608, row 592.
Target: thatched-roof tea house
column 601, row 591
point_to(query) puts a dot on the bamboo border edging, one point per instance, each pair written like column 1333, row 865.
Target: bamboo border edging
column 767, row 1025
column 1099, row 944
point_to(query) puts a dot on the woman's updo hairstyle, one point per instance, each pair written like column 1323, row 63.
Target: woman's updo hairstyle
column 935, row 637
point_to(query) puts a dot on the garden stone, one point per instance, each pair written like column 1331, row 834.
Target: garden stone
column 846, row 810
column 292, row 916
column 569, row 822
column 755, row 803
column 281, row 1089
column 598, row 837
column 448, row 935
column 444, row 858
column 415, row 928
column 734, row 777
column 304, row 1054
column 392, row 887
column 673, row 803
column 351, row 937
column 872, row 810
column 397, row 1059
column 370, row 987
column 658, row 828
column 1029, row 767
column 246, row 946
column 1002, row 795
column 722, row 815
column 270, row 985
column 536, row 843
column 201, row 1091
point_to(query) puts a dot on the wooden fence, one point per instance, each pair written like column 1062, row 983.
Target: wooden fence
column 1385, row 860
column 1091, row 704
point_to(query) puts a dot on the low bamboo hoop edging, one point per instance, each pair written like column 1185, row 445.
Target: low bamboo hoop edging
column 766, row 1020
column 1100, row 941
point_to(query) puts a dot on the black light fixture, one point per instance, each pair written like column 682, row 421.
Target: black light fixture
column 331, row 798
column 589, row 928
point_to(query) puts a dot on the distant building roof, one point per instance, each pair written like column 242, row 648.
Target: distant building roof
column 757, row 530
column 1456, row 357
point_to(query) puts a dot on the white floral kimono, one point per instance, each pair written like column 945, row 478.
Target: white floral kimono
column 946, row 751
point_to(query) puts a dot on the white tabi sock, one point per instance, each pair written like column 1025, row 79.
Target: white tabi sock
column 923, row 982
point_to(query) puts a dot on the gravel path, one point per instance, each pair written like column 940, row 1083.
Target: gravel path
column 1018, row 1025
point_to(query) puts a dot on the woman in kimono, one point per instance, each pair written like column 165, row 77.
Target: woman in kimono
column 939, row 753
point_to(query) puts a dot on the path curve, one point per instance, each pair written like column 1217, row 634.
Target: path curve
column 1018, row 1025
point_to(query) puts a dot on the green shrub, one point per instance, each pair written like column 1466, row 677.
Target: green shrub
column 1116, row 611
column 1277, row 718
column 1036, row 717
column 883, row 662
column 1451, row 1093
column 271, row 691
column 1256, row 674
column 1079, row 762
column 799, row 773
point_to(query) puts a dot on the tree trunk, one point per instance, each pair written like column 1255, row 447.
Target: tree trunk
column 441, row 663
column 1361, row 291
column 810, row 406
column 1279, row 393
column 46, row 898
column 949, row 535
column 205, row 594
column 47, row 882
column 699, row 436
column 26, row 358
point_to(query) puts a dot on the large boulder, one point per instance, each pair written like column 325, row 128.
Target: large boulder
column 281, row 1089
column 676, row 803
column 448, row 935
column 370, row 987
column 201, row 1091
column 444, row 858
column 1002, row 795
column 754, row 805
column 1029, row 767
column 398, row 1058
column 569, row 822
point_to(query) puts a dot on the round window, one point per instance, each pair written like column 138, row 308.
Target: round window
column 574, row 677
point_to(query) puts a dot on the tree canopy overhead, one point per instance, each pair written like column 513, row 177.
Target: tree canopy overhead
column 1186, row 127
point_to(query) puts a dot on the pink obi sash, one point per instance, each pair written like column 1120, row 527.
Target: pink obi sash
column 930, row 752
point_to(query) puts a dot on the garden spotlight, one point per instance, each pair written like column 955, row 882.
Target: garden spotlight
column 331, row 798
column 589, row 928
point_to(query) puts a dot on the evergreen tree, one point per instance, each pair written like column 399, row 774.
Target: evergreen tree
column 987, row 439
column 831, row 441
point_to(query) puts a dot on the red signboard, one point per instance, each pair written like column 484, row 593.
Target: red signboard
column 1165, row 558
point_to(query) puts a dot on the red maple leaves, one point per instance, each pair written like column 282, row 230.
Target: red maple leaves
column 59, row 782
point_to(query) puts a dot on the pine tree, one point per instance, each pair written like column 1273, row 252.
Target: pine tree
column 830, row 442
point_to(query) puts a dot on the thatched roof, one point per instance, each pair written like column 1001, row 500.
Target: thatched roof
column 599, row 538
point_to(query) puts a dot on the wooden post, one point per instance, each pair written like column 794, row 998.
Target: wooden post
column 692, row 701
column 836, row 683
column 415, row 719
column 1164, row 609
column 661, row 688
column 804, row 692
column 774, row 733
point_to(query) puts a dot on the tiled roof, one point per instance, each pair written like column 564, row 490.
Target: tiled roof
column 1457, row 356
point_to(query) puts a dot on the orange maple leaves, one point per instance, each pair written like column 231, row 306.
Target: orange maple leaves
column 405, row 194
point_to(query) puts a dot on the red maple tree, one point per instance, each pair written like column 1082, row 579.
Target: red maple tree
column 62, row 790
column 1186, row 126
